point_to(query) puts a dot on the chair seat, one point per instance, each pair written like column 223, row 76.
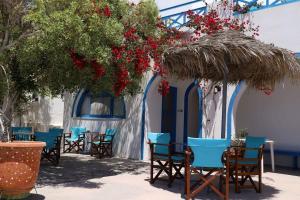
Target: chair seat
column 103, row 142
column 174, row 158
column 72, row 139
column 243, row 162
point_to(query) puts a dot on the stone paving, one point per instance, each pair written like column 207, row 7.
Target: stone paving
column 84, row 177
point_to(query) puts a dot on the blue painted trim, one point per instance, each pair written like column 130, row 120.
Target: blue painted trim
column 272, row 5
column 186, row 110
column 85, row 94
column 180, row 5
column 101, row 117
column 144, row 113
column 176, row 23
column 230, row 108
column 173, row 92
column 74, row 102
column 80, row 102
column 182, row 15
column 200, row 111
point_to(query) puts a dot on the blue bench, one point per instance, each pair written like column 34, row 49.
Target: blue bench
column 294, row 154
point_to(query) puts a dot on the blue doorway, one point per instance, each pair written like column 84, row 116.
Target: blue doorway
column 169, row 112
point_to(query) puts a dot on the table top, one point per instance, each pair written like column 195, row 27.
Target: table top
column 267, row 140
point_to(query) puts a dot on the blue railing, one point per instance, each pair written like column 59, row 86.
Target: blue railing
column 180, row 18
column 263, row 4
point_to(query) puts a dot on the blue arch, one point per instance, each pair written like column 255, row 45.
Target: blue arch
column 74, row 103
column 144, row 114
column 186, row 108
column 230, row 108
column 76, row 110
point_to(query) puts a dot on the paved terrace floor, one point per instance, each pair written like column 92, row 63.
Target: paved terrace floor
column 84, row 177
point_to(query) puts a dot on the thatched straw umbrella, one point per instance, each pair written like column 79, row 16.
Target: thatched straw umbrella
column 230, row 57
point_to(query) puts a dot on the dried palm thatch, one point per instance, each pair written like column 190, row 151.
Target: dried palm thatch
column 239, row 56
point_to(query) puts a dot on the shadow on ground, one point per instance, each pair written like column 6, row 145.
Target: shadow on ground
column 35, row 197
column 77, row 170
column 245, row 194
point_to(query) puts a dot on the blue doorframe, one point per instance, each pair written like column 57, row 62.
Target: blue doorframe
column 186, row 111
column 169, row 112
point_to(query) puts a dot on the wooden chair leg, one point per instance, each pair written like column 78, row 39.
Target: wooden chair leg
column 227, row 179
column 187, row 173
column 170, row 173
column 236, row 180
column 151, row 171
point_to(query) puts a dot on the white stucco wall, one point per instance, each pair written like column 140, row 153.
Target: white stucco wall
column 42, row 114
column 128, row 139
column 277, row 25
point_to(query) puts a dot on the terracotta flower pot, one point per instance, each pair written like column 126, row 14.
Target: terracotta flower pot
column 19, row 168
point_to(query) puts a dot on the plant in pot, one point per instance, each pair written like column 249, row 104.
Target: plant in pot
column 19, row 161
column 19, row 164
column 239, row 138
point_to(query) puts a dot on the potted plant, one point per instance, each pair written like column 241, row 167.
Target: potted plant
column 239, row 138
column 19, row 168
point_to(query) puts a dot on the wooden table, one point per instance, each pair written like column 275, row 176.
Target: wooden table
column 271, row 144
column 88, row 139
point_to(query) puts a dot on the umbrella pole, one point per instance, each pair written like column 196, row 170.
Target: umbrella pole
column 224, row 105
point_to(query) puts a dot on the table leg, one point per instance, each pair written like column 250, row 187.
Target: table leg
column 272, row 157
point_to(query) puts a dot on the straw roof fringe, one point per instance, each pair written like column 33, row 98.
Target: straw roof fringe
column 243, row 57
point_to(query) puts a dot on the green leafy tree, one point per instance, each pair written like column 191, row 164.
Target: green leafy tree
column 52, row 46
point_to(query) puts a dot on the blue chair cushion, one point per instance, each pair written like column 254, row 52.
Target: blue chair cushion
column 208, row 152
column 49, row 137
column 75, row 133
column 109, row 134
column 160, row 138
column 20, row 133
column 207, row 141
column 253, row 142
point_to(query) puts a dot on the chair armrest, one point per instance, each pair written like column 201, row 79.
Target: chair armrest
column 170, row 144
column 244, row 148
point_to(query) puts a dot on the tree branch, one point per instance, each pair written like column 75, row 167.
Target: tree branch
column 15, row 42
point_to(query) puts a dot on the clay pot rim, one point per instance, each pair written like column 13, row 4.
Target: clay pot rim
column 22, row 144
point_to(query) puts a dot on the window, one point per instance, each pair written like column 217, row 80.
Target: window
column 99, row 106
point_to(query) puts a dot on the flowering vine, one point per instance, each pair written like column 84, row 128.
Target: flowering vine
column 140, row 41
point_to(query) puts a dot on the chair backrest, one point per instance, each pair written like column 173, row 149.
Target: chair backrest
column 56, row 131
column 76, row 131
column 253, row 142
column 160, row 138
column 50, row 138
column 109, row 134
column 208, row 152
column 206, row 141
column 21, row 133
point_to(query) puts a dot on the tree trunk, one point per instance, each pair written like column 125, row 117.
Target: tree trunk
column 7, row 113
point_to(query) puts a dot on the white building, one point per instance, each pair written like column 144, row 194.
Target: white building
column 277, row 116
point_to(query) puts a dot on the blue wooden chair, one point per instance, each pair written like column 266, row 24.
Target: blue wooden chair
column 163, row 154
column 74, row 140
column 52, row 139
column 22, row 133
column 247, row 163
column 208, row 156
column 102, row 144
